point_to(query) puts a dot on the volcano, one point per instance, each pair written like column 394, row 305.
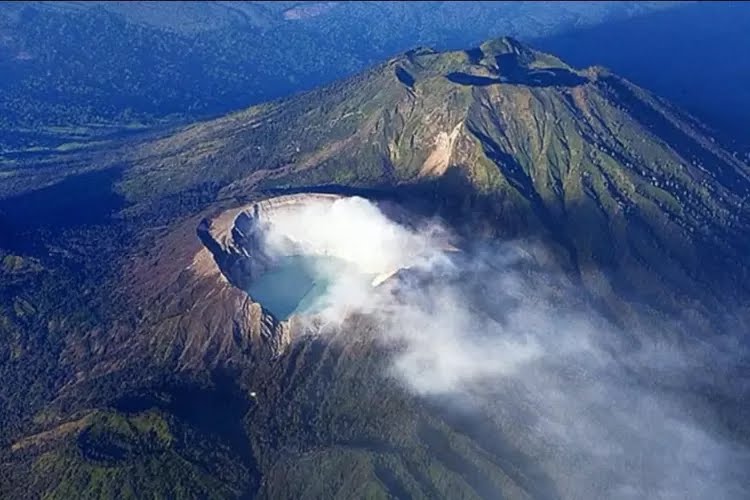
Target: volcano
column 591, row 348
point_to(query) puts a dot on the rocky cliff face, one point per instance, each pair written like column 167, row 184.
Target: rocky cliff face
column 235, row 238
column 200, row 313
column 195, row 313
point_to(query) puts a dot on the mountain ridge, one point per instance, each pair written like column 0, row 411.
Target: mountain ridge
column 540, row 143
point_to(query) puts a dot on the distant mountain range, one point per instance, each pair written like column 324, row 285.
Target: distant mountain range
column 75, row 72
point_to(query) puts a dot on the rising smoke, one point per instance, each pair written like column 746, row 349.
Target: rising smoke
column 608, row 412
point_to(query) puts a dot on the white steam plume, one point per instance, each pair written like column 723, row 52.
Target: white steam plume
column 606, row 412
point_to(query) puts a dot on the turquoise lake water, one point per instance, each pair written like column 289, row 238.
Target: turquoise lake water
column 295, row 283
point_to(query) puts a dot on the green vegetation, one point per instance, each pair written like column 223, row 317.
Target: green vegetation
column 119, row 456
column 78, row 71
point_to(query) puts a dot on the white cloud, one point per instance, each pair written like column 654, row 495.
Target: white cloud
column 498, row 327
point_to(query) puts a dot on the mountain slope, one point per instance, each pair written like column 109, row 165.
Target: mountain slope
column 617, row 176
